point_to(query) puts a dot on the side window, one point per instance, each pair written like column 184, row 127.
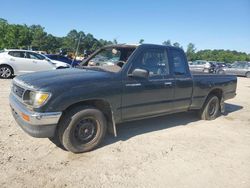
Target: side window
column 179, row 62
column 19, row 54
column 32, row 55
column 242, row 65
column 153, row 60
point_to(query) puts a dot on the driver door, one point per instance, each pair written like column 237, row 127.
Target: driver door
column 152, row 95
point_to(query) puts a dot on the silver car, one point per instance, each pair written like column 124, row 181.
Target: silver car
column 237, row 68
column 201, row 66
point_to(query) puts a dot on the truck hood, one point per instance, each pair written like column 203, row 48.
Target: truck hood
column 61, row 78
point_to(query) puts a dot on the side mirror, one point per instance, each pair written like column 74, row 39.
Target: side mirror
column 141, row 73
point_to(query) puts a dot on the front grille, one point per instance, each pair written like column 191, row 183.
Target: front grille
column 17, row 90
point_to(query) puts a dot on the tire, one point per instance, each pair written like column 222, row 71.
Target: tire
column 60, row 67
column 206, row 70
column 221, row 72
column 248, row 74
column 6, row 72
column 211, row 108
column 81, row 129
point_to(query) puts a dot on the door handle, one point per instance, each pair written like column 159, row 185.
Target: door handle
column 133, row 85
column 168, row 83
column 34, row 62
column 12, row 59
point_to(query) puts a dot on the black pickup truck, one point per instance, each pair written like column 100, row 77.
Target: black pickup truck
column 74, row 107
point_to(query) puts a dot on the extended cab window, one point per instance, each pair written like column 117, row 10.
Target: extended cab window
column 17, row 54
column 153, row 60
column 179, row 62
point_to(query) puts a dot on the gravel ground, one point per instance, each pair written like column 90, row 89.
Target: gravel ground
column 171, row 151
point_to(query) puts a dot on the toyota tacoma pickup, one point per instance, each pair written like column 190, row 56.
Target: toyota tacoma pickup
column 75, row 107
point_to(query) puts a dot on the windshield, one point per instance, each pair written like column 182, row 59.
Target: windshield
column 105, row 57
column 110, row 57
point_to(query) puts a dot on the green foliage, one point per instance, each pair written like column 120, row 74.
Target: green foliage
column 176, row 44
column 226, row 56
column 141, row 41
column 115, row 41
column 168, row 43
column 190, row 51
column 35, row 37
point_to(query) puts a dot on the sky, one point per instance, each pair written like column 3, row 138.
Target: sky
column 209, row 24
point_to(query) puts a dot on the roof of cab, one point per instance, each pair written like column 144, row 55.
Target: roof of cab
column 136, row 45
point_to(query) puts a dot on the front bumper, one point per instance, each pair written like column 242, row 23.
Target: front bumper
column 40, row 125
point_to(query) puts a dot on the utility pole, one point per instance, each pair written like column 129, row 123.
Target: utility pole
column 76, row 53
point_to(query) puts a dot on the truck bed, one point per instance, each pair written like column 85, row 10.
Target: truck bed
column 205, row 83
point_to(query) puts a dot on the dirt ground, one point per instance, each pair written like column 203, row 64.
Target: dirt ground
column 172, row 151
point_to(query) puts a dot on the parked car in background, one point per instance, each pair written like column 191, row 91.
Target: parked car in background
column 201, row 66
column 64, row 59
column 218, row 66
column 17, row 62
column 237, row 68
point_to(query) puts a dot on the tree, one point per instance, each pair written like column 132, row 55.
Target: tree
column 52, row 44
column 168, row 43
column 141, row 41
column 23, row 36
column 115, row 41
column 176, row 44
column 70, row 41
column 38, row 37
column 190, row 51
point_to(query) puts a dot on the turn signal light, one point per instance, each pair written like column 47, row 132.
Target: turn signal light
column 25, row 117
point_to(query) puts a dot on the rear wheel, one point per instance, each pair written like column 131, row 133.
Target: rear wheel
column 6, row 71
column 206, row 70
column 211, row 108
column 82, row 129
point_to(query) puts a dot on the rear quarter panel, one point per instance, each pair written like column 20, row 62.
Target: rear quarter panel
column 206, row 83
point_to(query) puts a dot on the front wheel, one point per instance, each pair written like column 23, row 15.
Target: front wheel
column 221, row 72
column 5, row 71
column 82, row 129
column 211, row 108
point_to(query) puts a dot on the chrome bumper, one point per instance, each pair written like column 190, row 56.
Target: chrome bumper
column 36, row 118
column 40, row 125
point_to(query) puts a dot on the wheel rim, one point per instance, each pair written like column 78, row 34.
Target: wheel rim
column 5, row 72
column 86, row 130
column 212, row 108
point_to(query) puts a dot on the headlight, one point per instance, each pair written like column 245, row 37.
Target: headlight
column 36, row 98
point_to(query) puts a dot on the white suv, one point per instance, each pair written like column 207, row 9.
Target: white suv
column 16, row 62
